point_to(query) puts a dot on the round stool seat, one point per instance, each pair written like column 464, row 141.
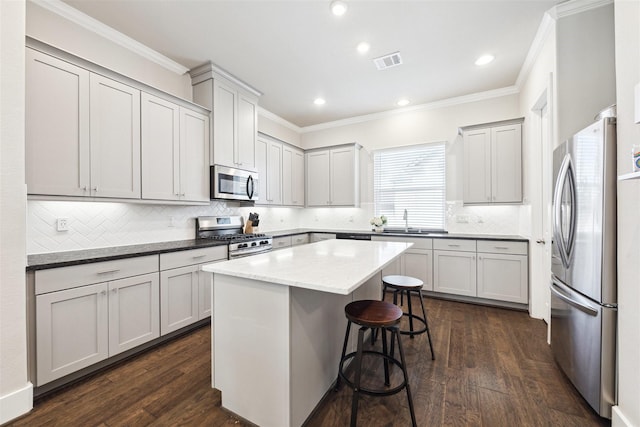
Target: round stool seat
column 402, row 282
column 373, row 313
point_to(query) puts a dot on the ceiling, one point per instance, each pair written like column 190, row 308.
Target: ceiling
column 295, row 51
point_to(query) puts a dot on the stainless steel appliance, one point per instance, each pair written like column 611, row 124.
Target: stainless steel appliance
column 229, row 229
column 233, row 184
column 583, row 279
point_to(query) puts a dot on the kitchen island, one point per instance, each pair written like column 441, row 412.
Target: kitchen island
column 278, row 324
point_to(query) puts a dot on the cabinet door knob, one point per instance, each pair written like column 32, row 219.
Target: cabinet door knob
column 541, row 241
column 114, row 290
column 95, row 188
column 103, row 293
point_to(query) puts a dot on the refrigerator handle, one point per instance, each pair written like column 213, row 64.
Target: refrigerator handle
column 580, row 306
column 564, row 247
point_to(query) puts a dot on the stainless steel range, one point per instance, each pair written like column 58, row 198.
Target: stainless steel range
column 229, row 229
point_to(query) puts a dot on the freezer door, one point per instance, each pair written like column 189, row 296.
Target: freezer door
column 583, row 344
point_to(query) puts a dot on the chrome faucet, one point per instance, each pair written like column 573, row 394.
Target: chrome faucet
column 406, row 221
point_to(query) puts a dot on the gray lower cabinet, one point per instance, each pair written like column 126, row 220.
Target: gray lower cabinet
column 416, row 262
column 318, row 237
column 281, row 242
column 299, row 239
column 503, row 271
column 185, row 290
column 85, row 314
column 179, row 298
column 454, row 272
column 454, row 266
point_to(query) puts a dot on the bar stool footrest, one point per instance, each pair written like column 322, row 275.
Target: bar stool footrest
column 415, row 331
column 372, row 392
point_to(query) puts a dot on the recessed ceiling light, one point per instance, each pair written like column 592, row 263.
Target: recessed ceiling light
column 338, row 7
column 403, row 102
column 363, row 47
column 319, row 101
column 484, row 59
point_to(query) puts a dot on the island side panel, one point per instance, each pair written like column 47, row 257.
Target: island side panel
column 318, row 324
column 251, row 348
column 317, row 332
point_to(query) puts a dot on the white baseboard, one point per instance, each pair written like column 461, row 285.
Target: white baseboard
column 16, row 403
column 618, row 419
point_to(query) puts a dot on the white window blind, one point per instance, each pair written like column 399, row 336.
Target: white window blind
column 411, row 178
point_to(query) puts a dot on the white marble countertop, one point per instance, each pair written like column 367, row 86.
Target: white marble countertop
column 335, row 266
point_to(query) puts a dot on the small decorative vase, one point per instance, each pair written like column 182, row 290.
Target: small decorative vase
column 379, row 229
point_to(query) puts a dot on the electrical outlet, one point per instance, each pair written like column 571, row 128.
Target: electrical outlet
column 462, row 219
column 62, row 224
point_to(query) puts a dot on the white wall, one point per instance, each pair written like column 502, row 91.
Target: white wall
column 538, row 87
column 586, row 68
column 415, row 126
column 627, row 413
column 15, row 390
column 272, row 125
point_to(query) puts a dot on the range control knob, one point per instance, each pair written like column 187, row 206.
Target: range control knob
column 254, row 244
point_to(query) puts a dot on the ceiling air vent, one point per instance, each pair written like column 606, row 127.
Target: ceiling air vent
column 388, row 61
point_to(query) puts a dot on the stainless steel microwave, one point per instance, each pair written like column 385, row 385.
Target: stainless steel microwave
column 233, row 184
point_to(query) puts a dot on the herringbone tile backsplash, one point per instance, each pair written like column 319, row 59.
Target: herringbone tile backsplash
column 97, row 224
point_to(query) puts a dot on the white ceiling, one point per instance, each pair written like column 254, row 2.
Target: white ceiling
column 294, row 51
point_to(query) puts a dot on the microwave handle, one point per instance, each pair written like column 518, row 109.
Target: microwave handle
column 250, row 187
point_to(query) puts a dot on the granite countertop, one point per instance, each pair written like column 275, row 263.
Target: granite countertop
column 431, row 235
column 85, row 256
column 63, row 259
column 352, row 263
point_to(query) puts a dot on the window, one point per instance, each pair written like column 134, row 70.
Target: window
column 411, row 178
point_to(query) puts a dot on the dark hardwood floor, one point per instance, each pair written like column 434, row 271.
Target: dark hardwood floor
column 492, row 368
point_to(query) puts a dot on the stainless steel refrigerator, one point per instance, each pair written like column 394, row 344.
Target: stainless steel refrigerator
column 583, row 279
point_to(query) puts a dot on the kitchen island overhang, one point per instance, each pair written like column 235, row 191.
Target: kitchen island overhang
column 278, row 324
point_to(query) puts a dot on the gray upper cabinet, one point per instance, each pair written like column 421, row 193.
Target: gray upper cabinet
column 93, row 136
column 57, row 126
column 234, row 107
column 82, row 131
column 114, row 120
column 175, row 151
column 333, row 176
column 493, row 163
column 292, row 176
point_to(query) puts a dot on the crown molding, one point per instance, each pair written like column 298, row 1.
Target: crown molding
column 573, row 7
column 209, row 70
column 97, row 27
column 544, row 30
column 449, row 102
column 277, row 119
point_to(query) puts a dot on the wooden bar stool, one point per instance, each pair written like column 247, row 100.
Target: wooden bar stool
column 374, row 315
column 407, row 284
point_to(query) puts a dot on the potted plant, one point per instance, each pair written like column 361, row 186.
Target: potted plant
column 378, row 223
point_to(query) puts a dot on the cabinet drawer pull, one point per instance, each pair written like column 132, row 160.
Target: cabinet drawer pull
column 109, row 271
column 199, row 256
column 501, row 247
column 453, row 246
